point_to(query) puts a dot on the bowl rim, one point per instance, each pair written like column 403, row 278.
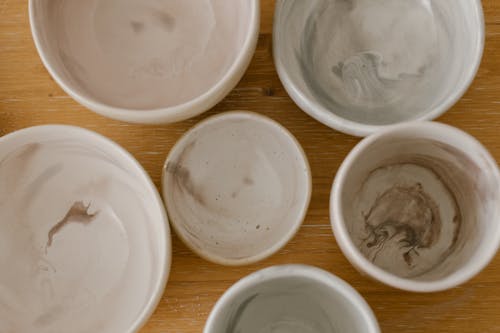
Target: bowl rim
column 165, row 243
column 183, row 111
column 332, row 120
column 350, row 250
column 295, row 224
column 295, row 271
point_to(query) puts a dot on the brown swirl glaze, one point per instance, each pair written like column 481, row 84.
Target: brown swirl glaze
column 78, row 213
column 406, row 211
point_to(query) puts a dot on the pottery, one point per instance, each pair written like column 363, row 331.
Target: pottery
column 237, row 187
column 146, row 61
column 417, row 207
column 360, row 65
column 291, row 299
column 84, row 238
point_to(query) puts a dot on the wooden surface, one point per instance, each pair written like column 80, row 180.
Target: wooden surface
column 28, row 96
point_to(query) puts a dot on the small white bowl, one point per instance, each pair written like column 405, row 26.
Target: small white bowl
column 360, row 65
column 146, row 61
column 292, row 299
column 237, row 187
column 417, row 206
column 83, row 233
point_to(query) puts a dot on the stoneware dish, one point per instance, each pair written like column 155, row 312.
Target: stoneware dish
column 417, row 207
column 237, row 187
column 360, row 65
column 84, row 238
column 291, row 299
column 146, row 61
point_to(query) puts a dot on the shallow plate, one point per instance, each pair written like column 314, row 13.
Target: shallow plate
column 237, row 187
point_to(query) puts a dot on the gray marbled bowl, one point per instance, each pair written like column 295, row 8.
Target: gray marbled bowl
column 360, row 65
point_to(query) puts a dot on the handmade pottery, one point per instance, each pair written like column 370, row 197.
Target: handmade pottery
column 236, row 187
column 291, row 299
column 360, row 65
column 84, row 238
column 417, row 207
column 146, row 61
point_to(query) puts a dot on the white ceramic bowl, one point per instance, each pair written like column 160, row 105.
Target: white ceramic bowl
column 417, row 207
column 237, row 187
column 84, row 238
column 146, row 61
column 292, row 299
column 360, row 65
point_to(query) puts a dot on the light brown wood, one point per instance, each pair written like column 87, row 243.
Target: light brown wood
column 28, row 96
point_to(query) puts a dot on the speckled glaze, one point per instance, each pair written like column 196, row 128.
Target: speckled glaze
column 360, row 65
column 291, row 299
column 83, row 234
column 417, row 206
column 146, row 61
column 236, row 187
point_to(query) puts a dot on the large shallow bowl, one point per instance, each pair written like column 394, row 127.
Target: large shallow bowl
column 84, row 238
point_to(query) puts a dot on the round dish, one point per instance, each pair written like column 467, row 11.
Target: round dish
column 292, row 299
column 236, row 187
column 83, row 233
column 146, row 61
column 358, row 66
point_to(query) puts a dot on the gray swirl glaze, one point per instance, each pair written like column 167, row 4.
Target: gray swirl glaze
column 375, row 62
column 300, row 313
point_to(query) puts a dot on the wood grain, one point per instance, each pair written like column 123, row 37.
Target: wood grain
column 28, row 96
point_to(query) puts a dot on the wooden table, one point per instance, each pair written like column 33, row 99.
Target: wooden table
column 28, row 96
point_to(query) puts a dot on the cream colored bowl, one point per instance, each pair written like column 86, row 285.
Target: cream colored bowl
column 146, row 61
column 237, row 187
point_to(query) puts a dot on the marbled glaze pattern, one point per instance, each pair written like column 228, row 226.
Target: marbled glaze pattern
column 416, row 205
column 376, row 61
column 236, row 186
column 78, row 234
column 291, row 299
column 142, row 54
column 411, row 217
column 300, row 313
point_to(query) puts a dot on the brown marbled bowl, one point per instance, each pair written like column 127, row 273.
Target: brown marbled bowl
column 417, row 207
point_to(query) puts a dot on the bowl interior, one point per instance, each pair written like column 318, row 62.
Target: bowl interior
column 377, row 62
column 82, row 231
column 292, row 304
column 422, row 203
column 141, row 54
column 236, row 187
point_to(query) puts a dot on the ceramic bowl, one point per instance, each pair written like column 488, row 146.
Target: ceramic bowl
column 84, row 238
column 417, row 207
column 146, row 61
column 360, row 65
column 292, row 299
column 236, row 187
